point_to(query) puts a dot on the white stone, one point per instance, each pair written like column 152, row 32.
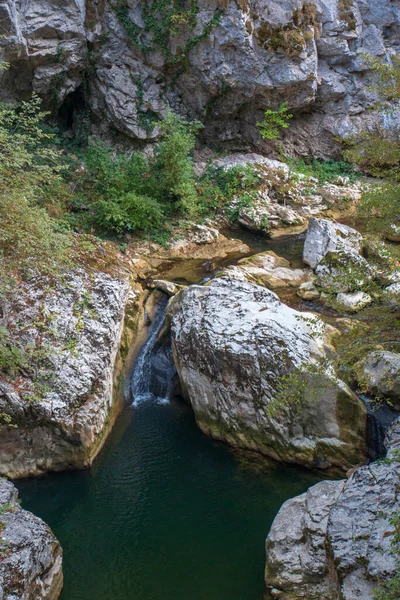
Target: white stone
column 353, row 301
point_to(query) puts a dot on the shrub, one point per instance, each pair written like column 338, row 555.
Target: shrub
column 129, row 212
column 174, row 168
column 326, row 171
column 218, row 186
column 274, row 121
column 28, row 163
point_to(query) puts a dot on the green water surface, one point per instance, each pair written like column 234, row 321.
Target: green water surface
column 165, row 513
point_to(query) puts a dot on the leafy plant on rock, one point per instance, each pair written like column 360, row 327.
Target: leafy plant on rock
column 274, row 121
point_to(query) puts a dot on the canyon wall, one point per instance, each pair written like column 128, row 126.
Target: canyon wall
column 119, row 66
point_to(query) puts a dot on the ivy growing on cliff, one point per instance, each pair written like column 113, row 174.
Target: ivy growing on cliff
column 163, row 21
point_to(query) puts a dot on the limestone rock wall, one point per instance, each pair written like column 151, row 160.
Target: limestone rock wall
column 221, row 61
column 62, row 408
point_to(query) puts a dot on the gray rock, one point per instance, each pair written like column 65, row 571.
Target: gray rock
column 31, row 557
column 380, row 372
column 233, row 342
column 308, row 291
column 63, row 405
column 325, row 237
column 169, row 287
column 334, row 541
column 227, row 75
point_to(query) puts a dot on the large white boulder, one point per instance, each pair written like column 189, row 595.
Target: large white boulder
column 234, row 343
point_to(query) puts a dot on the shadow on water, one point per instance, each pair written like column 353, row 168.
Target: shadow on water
column 165, row 513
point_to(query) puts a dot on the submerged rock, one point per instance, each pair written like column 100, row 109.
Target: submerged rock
column 334, row 541
column 30, row 555
column 63, row 406
column 233, row 343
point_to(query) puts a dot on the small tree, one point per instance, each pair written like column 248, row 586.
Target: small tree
column 174, row 167
column 274, row 121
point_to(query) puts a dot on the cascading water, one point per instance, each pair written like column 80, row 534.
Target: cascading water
column 154, row 371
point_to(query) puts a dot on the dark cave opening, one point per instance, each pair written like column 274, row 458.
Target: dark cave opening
column 72, row 110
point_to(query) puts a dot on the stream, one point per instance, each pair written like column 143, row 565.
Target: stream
column 165, row 513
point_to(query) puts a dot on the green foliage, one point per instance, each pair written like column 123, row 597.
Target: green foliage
column 129, row 212
column 27, row 159
column 274, row 121
column 174, row 168
column 218, row 187
column 12, row 358
column 121, row 192
column 28, row 163
column 380, row 207
column 299, row 388
column 326, row 171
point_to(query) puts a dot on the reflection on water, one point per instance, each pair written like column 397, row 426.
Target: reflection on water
column 165, row 514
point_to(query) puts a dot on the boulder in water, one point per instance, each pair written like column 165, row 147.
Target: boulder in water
column 334, row 541
column 30, row 555
column 233, row 344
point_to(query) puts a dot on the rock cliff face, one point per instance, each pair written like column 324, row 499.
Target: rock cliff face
column 334, row 541
column 233, row 342
column 221, row 61
column 30, row 555
column 61, row 409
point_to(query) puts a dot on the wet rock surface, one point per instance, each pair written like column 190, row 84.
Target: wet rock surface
column 380, row 373
column 30, row 555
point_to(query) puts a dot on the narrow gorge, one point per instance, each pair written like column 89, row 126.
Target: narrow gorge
column 199, row 300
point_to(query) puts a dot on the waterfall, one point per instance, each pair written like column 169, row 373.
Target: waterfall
column 154, row 370
column 380, row 416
